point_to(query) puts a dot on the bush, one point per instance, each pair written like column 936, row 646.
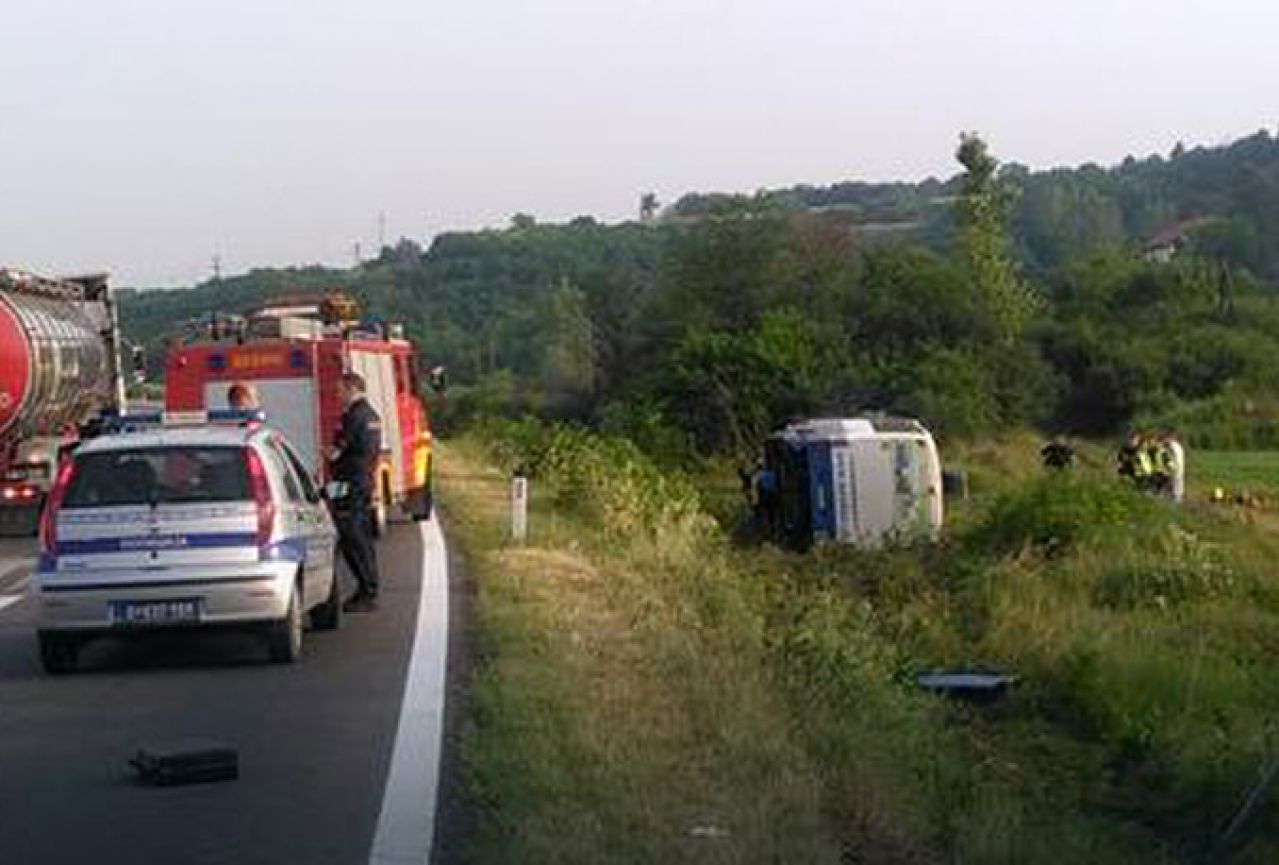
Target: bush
column 1055, row 513
column 606, row 480
column 1181, row 567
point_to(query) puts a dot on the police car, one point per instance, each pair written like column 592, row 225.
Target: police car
column 184, row 526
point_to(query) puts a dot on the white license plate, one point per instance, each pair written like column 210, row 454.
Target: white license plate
column 181, row 611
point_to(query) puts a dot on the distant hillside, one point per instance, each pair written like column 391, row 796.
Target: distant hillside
column 731, row 312
column 476, row 301
column 1065, row 214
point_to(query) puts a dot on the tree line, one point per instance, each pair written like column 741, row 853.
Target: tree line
column 1024, row 303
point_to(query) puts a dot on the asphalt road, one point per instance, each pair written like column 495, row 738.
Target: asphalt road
column 315, row 738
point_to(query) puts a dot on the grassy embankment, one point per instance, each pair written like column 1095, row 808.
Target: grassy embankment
column 646, row 691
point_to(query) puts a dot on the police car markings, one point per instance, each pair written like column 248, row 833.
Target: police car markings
column 406, row 825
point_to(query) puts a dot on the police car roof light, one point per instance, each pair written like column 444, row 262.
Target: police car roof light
column 237, row 415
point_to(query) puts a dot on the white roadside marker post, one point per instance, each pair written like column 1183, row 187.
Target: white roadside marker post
column 519, row 507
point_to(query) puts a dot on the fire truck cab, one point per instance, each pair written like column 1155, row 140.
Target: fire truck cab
column 292, row 355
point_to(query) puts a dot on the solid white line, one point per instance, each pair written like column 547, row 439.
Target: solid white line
column 406, row 826
column 9, row 600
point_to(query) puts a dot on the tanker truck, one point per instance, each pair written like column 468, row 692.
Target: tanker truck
column 59, row 367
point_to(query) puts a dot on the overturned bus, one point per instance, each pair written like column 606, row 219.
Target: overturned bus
column 863, row 481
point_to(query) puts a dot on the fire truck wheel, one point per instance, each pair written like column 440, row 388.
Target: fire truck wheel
column 423, row 512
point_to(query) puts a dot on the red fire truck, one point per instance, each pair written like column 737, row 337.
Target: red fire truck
column 292, row 354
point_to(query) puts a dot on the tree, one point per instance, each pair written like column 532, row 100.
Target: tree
column 570, row 373
column 648, row 206
column 982, row 211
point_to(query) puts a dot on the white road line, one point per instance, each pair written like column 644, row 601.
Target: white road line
column 406, row 826
column 18, row 586
column 9, row 600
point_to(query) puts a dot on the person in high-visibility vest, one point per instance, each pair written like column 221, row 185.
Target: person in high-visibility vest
column 1159, row 478
column 1128, row 459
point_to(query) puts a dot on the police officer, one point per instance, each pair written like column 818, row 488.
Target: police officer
column 355, row 454
column 242, row 397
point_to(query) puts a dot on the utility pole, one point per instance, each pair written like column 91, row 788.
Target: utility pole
column 357, row 254
column 381, row 231
column 217, row 268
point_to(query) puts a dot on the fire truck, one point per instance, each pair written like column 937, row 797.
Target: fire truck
column 59, row 367
column 292, row 354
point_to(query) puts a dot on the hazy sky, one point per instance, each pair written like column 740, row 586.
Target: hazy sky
column 142, row 136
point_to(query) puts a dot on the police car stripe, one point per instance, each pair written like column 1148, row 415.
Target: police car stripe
column 156, row 543
column 152, row 584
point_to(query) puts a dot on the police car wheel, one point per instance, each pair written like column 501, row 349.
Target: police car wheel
column 328, row 615
column 285, row 636
column 59, row 653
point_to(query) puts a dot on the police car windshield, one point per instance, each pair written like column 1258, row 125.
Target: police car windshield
column 169, row 475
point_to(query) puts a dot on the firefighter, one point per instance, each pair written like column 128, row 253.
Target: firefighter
column 1159, row 459
column 1128, row 457
column 354, row 458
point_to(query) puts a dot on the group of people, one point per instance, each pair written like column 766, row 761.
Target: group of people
column 1155, row 463
column 351, row 463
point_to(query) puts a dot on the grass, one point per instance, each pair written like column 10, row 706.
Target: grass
column 608, row 726
column 1234, row 470
column 649, row 691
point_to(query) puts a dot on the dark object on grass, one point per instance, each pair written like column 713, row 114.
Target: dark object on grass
column 954, row 483
column 192, row 761
column 978, row 686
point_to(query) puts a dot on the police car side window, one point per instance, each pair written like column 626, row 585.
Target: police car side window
column 304, row 477
column 291, row 487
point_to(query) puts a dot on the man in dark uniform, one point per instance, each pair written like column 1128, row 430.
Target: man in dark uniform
column 359, row 441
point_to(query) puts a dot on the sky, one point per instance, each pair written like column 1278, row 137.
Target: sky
column 146, row 137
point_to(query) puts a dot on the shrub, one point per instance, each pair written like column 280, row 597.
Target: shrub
column 1054, row 513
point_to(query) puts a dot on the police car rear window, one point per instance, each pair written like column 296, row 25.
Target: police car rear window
column 172, row 475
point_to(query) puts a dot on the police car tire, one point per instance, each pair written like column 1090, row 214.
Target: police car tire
column 284, row 640
column 59, row 653
column 328, row 615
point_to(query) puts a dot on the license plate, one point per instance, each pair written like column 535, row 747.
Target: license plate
column 155, row 612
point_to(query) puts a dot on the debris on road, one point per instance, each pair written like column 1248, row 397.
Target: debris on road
column 192, row 761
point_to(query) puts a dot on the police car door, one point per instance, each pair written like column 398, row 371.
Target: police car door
column 309, row 517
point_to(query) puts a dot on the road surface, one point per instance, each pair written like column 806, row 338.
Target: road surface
column 323, row 777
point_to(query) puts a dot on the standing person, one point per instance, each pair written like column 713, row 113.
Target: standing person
column 1129, row 457
column 1160, row 460
column 355, row 454
column 1177, row 466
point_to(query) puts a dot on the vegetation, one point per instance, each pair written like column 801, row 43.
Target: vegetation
column 694, row 333
column 783, row 685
